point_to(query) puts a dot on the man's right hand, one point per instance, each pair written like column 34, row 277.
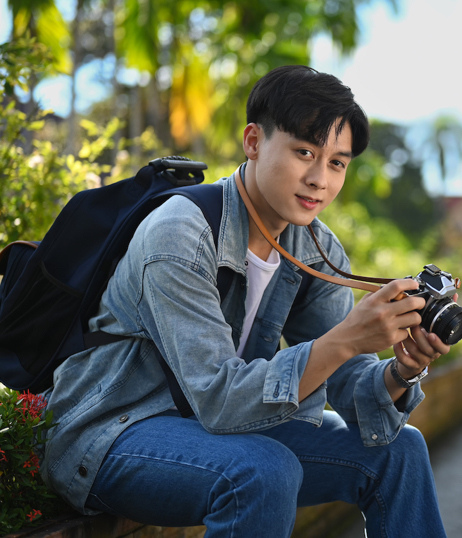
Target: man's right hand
column 379, row 321
column 376, row 323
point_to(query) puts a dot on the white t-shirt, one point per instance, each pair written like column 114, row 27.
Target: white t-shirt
column 259, row 273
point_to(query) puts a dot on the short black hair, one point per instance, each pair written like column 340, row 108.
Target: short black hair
column 306, row 103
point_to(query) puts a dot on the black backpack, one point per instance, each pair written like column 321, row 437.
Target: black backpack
column 51, row 289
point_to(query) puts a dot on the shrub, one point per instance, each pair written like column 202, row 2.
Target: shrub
column 24, row 497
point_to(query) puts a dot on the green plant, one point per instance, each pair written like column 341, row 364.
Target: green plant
column 36, row 178
column 24, row 498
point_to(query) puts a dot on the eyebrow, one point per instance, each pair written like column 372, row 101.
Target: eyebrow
column 348, row 154
column 341, row 153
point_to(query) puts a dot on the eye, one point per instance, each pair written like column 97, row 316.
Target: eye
column 305, row 152
column 338, row 164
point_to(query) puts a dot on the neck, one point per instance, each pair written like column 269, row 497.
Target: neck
column 257, row 243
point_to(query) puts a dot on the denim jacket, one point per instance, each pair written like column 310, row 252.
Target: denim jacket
column 164, row 291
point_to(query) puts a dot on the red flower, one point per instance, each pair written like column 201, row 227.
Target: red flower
column 33, row 463
column 2, row 455
column 34, row 515
column 33, row 404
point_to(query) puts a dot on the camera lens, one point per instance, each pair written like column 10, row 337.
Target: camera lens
column 444, row 318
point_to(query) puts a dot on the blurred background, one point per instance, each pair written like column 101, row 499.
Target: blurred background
column 91, row 90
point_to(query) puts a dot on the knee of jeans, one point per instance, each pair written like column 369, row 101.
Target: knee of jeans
column 412, row 439
column 409, row 452
column 273, row 468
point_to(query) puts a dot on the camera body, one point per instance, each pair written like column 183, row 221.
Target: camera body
column 440, row 315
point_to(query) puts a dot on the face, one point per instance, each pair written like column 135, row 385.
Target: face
column 291, row 180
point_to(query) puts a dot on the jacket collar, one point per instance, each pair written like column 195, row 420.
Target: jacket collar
column 234, row 232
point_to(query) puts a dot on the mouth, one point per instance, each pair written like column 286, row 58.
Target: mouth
column 307, row 202
column 308, row 199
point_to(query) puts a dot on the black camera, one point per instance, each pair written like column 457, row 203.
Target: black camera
column 441, row 315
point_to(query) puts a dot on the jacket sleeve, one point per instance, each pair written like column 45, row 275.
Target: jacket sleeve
column 179, row 309
column 356, row 390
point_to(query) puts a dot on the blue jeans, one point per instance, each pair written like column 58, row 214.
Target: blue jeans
column 169, row 471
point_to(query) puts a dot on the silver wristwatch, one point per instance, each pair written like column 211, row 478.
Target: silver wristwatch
column 405, row 383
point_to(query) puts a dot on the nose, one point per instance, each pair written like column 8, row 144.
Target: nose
column 317, row 176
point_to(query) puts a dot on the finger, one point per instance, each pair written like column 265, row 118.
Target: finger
column 437, row 344
column 424, row 347
column 412, row 351
column 391, row 290
column 409, row 356
column 407, row 359
column 424, row 344
column 408, row 317
column 396, row 292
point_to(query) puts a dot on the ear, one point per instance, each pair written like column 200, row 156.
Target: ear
column 252, row 136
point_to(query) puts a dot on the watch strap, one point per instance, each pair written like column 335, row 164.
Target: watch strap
column 405, row 383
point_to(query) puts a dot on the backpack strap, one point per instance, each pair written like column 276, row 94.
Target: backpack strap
column 29, row 246
column 209, row 197
column 12, row 260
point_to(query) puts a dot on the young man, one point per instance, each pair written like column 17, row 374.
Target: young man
column 260, row 443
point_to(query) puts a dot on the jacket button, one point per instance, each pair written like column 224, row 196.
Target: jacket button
column 123, row 418
column 374, row 437
column 83, row 471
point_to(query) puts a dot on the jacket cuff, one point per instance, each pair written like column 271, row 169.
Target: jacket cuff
column 379, row 418
column 282, row 384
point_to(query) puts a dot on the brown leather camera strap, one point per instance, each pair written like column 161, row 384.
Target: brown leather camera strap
column 349, row 280
column 339, row 271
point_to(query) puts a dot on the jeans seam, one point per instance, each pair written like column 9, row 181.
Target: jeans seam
column 345, row 463
column 370, row 474
column 382, row 506
column 195, row 466
column 106, row 507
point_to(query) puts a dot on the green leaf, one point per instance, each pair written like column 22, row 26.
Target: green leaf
column 9, row 88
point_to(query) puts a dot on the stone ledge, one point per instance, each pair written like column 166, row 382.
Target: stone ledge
column 436, row 415
column 103, row 526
